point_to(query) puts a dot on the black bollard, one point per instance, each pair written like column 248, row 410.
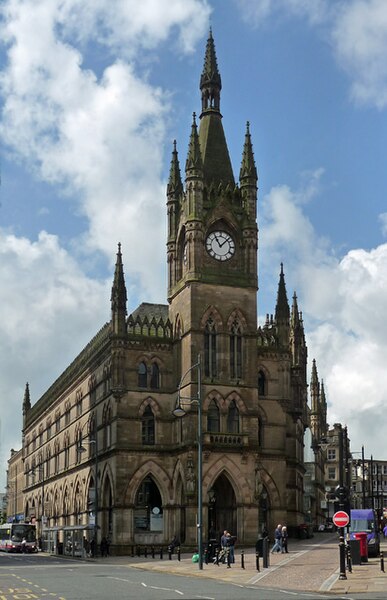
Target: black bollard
column 169, row 553
column 257, row 560
column 382, row 562
column 153, row 551
column 138, row 551
column 265, row 557
column 132, row 551
column 349, row 559
column 242, row 559
column 161, row 553
column 178, row 553
column 145, row 552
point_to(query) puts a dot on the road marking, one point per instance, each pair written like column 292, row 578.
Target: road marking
column 257, row 578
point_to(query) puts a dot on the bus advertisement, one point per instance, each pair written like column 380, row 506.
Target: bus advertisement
column 18, row 537
column 365, row 520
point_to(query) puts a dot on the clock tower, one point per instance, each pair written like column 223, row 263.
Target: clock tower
column 212, row 240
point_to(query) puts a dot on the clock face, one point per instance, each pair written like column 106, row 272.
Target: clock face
column 220, row 245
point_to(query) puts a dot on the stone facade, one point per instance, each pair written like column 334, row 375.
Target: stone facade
column 111, row 411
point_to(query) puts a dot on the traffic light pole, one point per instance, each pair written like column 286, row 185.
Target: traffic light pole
column 342, row 498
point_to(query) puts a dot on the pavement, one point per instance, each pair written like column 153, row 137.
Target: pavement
column 311, row 565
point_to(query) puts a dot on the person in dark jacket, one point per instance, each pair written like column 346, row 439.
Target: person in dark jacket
column 277, row 540
column 284, row 540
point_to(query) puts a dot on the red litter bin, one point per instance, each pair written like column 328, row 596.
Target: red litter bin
column 362, row 537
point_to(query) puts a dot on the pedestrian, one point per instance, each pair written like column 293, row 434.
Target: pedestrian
column 385, row 531
column 230, row 546
column 224, row 540
column 92, row 547
column 284, row 540
column 24, row 545
column 277, row 547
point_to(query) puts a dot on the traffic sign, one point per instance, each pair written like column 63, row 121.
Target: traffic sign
column 340, row 518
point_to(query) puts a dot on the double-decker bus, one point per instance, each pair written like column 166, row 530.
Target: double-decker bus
column 18, row 537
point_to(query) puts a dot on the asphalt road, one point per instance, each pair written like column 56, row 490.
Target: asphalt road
column 38, row 577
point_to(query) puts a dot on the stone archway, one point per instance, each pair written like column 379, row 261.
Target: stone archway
column 222, row 510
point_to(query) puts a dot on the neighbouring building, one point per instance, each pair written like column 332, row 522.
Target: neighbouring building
column 102, row 446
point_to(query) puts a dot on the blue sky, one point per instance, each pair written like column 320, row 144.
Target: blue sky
column 92, row 94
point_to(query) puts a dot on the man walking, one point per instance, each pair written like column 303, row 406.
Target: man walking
column 277, row 540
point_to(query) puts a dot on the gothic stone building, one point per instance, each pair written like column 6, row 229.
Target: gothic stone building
column 116, row 400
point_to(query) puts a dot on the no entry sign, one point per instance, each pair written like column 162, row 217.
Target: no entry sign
column 340, row 518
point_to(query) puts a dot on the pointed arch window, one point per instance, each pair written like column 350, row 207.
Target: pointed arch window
column 213, row 417
column 236, row 351
column 142, row 375
column 148, row 513
column 155, row 376
column 148, row 426
column 210, row 349
column 262, row 385
column 233, row 418
column 66, row 452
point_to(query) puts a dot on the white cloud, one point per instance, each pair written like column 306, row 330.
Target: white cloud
column 101, row 138
column 357, row 32
column 344, row 303
column 42, row 289
column 98, row 136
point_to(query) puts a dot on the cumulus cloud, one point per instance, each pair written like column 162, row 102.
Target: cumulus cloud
column 99, row 137
column 356, row 31
column 42, row 289
column 344, row 300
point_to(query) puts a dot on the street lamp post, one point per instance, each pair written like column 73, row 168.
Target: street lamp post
column 81, row 449
column 341, row 503
column 180, row 412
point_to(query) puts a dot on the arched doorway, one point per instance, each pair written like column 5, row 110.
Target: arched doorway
column 148, row 514
column 222, row 509
column 107, row 505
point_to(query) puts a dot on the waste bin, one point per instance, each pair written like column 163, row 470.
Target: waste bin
column 354, row 546
column 362, row 537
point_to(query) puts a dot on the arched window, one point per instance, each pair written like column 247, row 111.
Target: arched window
column 210, row 349
column 260, row 432
column 233, row 418
column 261, row 384
column 213, row 417
column 235, row 351
column 155, row 376
column 66, row 452
column 148, row 514
column 142, row 375
column 56, row 457
column 148, row 426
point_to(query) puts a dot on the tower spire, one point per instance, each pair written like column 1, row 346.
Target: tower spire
column 194, row 163
column 248, row 170
column 175, row 186
column 217, row 167
column 282, row 311
column 210, row 80
column 26, row 399
column 119, row 297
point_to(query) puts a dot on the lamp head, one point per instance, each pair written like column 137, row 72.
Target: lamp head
column 179, row 411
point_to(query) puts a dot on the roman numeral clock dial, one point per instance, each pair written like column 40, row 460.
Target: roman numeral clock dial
column 220, row 245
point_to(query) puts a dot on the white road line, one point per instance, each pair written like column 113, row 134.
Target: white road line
column 257, row 578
